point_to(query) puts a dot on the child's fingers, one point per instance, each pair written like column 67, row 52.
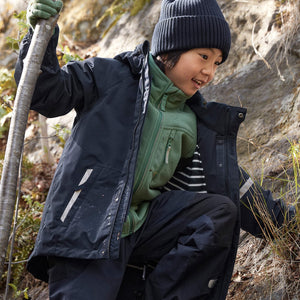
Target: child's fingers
column 40, row 14
column 43, row 8
column 57, row 5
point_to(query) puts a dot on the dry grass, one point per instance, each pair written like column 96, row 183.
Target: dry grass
column 261, row 275
column 270, row 268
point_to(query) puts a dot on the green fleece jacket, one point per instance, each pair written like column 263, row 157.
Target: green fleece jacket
column 169, row 133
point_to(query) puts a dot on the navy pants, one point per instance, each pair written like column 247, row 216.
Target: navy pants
column 179, row 253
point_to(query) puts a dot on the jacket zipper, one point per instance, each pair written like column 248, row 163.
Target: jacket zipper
column 143, row 112
column 227, row 144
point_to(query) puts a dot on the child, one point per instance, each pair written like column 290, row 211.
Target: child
column 149, row 177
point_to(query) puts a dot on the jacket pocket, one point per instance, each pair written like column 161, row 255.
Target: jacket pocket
column 169, row 146
column 167, row 157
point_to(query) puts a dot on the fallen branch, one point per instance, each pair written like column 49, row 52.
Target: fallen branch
column 32, row 63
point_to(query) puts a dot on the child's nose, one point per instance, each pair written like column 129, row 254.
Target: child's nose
column 209, row 70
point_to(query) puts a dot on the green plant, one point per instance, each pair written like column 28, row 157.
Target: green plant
column 62, row 133
column 18, row 293
column 13, row 43
column 7, row 95
column 4, row 117
column 8, row 86
column 7, row 81
column 295, row 158
column 65, row 55
column 29, row 218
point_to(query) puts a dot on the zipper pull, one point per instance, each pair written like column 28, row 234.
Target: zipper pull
column 167, row 153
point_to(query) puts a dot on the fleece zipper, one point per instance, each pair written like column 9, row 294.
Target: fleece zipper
column 148, row 154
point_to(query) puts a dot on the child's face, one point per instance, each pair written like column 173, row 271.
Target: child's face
column 195, row 69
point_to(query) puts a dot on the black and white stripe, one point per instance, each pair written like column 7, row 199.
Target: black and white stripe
column 190, row 178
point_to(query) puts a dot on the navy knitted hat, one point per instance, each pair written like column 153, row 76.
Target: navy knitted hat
column 188, row 24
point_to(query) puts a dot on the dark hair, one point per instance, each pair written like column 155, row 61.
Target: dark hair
column 168, row 59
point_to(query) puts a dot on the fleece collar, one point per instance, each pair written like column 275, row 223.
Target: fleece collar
column 163, row 91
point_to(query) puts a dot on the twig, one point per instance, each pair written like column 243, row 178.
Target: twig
column 255, row 50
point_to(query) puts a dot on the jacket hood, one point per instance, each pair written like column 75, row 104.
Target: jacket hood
column 135, row 59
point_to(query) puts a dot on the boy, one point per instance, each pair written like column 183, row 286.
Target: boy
column 149, row 174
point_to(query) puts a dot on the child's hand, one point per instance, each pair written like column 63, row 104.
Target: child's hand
column 42, row 9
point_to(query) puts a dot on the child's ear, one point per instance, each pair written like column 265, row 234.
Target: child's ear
column 161, row 59
column 164, row 57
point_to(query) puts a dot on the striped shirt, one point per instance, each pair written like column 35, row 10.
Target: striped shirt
column 189, row 178
column 192, row 178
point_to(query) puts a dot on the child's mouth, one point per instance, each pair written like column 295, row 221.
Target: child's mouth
column 198, row 83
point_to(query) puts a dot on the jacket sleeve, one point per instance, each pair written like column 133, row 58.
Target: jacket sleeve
column 58, row 90
column 258, row 205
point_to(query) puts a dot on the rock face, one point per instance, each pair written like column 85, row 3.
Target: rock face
column 129, row 32
column 271, row 96
column 262, row 74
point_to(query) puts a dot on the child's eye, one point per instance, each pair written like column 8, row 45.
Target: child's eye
column 218, row 63
column 204, row 56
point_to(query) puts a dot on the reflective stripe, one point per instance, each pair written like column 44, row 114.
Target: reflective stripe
column 245, row 187
column 86, row 176
column 70, row 205
column 212, row 283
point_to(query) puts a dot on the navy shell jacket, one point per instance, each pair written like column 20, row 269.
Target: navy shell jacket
column 91, row 190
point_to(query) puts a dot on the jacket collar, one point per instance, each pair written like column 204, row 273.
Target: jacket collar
column 135, row 59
